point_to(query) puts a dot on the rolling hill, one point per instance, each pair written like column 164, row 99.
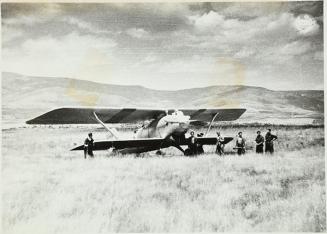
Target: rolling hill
column 24, row 97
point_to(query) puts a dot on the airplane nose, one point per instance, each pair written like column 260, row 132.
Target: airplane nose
column 184, row 125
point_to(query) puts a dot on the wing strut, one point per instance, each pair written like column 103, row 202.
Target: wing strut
column 113, row 131
column 213, row 119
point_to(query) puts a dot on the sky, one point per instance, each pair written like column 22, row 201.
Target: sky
column 168, row 46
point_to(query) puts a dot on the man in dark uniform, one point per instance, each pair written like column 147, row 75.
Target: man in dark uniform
column 240, row 144
column 259, row 140
column 270, row 138
column 192, row 143
column 199, row 147
column 88, row 146
column 220, row 144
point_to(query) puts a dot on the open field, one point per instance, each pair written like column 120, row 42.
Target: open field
column 48, row 189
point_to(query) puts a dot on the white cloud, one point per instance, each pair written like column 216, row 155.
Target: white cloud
column 78, row 23
column 295, row 48
column 207, row 20
column 306, row 25
column 212, row 29
column 139, row 33
column 61, row 56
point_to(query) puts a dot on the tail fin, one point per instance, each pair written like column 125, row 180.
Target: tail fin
column 112, row 131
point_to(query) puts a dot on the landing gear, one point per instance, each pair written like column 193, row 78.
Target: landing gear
column 189, row 152
column 160, row 153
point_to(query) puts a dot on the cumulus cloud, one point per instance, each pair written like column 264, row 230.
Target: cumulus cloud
column 207, row 20
column 306, row 25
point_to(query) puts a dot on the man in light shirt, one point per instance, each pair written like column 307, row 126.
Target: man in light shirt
column 220, row 144
column 240, row 144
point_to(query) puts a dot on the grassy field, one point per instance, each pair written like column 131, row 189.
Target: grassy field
column 48, row 189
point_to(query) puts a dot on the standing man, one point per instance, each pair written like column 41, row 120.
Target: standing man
column 259, row 140
column 220, row 144
column 240, row 144
column 199, row 146
column 192, row 143
column 270, row 138
column 88, row 146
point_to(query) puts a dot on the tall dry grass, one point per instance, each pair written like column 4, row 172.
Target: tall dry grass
column 47, row 189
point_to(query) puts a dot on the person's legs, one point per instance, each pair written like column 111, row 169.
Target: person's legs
column 200, row 150
column 259, row 149
column 218, row 150
column 90, row 153
column 194, row 149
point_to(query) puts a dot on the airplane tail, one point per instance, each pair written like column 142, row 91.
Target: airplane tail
column 112, row 131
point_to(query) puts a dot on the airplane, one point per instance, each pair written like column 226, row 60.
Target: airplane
column 165, row 127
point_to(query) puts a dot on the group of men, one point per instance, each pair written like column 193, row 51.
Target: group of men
column 268, row 140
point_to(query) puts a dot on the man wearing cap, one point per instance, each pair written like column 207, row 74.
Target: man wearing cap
column 270, row 138
column 88, row 146
column 259, row 140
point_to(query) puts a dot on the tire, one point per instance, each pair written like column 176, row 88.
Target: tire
column 188, row 152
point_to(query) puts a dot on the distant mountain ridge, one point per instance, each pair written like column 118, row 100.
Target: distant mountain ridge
column 24, row 97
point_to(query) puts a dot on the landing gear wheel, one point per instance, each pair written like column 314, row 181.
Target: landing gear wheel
column 188, row 152
column 159, row 152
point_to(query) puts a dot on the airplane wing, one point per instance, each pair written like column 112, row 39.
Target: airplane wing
column 74, row 115
column 206, row 115
column 212, row 140
column 122, row 144
column 153, row 143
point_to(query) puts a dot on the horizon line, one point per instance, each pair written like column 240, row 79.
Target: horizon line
column 165, row 90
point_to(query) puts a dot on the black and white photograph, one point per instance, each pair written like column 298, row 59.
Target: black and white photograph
column 162, row 117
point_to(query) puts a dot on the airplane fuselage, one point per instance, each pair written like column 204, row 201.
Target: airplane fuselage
column 175, row 124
